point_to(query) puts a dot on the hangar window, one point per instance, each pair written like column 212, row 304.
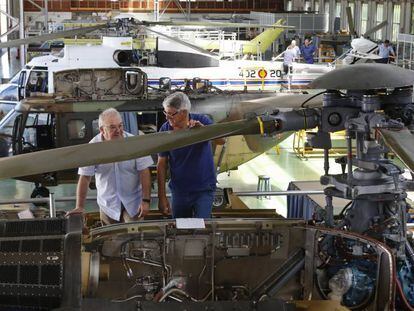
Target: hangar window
column 76, row 129
column 379, row 20
column 316, row 6
column 326, row 7
column 364, row 18
column 396, row 19
column 338, row 9
column 412, row 19
column 289, row 5
column 307, row 6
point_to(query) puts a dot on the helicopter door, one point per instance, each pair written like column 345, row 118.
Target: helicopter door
column 17, row 134
column 33, row 133
column 37, row 83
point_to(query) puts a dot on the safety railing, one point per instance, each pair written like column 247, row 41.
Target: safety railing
column 52, row 200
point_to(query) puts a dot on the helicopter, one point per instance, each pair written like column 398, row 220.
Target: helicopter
column 69, row 117
column 222, row 43
column 175, row 59
column 361, row 259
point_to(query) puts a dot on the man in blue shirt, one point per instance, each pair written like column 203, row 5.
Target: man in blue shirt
column 192, row 172
column 308, row 50
column 123, row 188
column 385, row 51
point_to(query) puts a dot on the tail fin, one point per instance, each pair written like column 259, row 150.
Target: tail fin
column 263, row 41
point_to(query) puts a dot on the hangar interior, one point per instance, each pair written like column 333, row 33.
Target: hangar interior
column 313, row 206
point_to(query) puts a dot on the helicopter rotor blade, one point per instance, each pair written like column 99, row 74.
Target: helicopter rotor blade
column 51, row 105
column 191, row 46
column 282, row 102
column 118, row 150
column 51, row 36
column 215, row 24
column 364, row 77
column 402, row 144
column 375, row 28
column 350, row 21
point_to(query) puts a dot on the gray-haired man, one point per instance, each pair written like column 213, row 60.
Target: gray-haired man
column 193, row 177
column 123, row 187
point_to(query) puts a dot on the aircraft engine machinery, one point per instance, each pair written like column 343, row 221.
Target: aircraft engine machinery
column 259, row 264
column 167, row 264
column 40, row 263
column 123, row 57
column 101, row 84
column 373, row 184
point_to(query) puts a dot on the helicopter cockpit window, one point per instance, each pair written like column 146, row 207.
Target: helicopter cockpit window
column 9, row 92
column 6, row 124
column 15, row 79
column 37, row 82
column 76, row 129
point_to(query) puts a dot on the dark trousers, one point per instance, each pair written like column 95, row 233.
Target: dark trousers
column 286, row 69
column 194, row 204
column 382, row 60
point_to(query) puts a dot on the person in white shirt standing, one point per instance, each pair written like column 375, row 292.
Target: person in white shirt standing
column 289, row 57
column 386, row 52
column 123, row 188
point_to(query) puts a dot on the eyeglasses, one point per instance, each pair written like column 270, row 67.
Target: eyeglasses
column 170, row 115
column 113, row 128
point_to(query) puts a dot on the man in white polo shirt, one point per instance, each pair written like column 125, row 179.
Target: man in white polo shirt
column 123, row 188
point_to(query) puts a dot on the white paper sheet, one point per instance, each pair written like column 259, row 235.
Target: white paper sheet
column 25, row 214
column 190, row 223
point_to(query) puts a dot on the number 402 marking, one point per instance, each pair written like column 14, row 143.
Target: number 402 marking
column 252, row 73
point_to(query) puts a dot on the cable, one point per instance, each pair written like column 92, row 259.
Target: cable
column 177, row 291
column 126, row 299
column 310, row 98
column 344, row 209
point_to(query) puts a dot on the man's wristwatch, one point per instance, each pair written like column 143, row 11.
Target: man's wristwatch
column 146, row 200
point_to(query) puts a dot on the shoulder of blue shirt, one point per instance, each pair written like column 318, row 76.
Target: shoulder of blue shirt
column 193, row 116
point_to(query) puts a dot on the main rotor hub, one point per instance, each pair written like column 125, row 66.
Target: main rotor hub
column 370, row 103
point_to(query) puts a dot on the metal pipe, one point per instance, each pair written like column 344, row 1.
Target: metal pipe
column 326, row 161
column 52, row 205
column 276, row 193
column 46, row 12
column 213, row 260
column 238, row 193
column 21, row 34
column 349, row 156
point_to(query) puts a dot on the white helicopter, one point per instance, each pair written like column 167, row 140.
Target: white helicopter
column 175, row 64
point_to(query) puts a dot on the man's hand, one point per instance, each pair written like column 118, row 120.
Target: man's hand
column 194, row 123
column 77, row 210
column 164, row 206
column 144, row 208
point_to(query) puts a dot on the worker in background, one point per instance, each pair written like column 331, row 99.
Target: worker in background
column 247, row 56
column 289, row 56
column 386, row 52
column 296, row 49
column 308, row 50
column 123, row 188
column 192, row 172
